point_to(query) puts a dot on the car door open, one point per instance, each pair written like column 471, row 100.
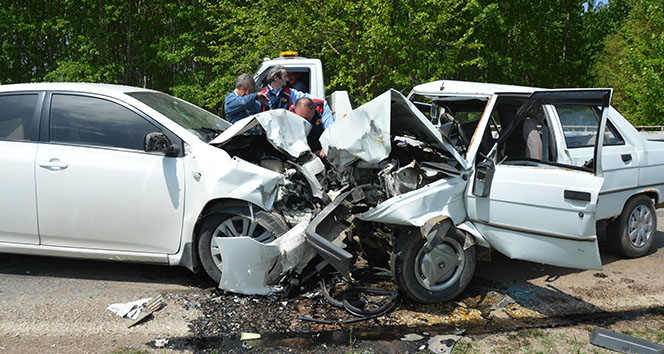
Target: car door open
column 530, row 207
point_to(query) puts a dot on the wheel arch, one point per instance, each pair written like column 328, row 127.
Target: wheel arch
column 468, row 232
column 653, row 194
column 190, row 257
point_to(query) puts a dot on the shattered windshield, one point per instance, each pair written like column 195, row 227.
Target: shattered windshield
column 456, row 117
column 202, row 123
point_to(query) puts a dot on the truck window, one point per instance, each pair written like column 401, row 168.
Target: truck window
column 303, row 76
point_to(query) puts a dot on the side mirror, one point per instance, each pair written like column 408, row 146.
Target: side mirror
column 159, row 142
column 483, row 177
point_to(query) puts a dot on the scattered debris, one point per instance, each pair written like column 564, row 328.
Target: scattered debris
column 499, row 313
column 143, row 314
column 506, row 300
column 411, row 337
column 600, row 275
column 365, row 298
column 154, row 305
column 129, row 310
column 499, row 310
column 249, row 336
column 443, row 343
column 161, row 342
column 137, row 311
column 623, row 343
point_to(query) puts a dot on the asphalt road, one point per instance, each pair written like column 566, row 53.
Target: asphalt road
column 59, row 305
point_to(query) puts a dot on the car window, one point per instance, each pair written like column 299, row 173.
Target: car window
column 580, row 126
column 198, row 121
column 95, row 121
column 528, row 139
column 16, row 113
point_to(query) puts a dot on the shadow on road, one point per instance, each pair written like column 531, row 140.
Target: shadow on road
column 514, row 279
column 100, row 270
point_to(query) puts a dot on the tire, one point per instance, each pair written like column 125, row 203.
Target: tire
column 633, row 233
column 407, row 259
column 234, row 222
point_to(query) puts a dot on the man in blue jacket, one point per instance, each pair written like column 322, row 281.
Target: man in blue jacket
column 243, row 101
column 280, row 96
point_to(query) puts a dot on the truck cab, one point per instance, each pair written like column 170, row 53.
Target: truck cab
column 310, row 71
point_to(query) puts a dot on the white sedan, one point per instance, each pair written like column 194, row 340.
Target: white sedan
column 124, row 173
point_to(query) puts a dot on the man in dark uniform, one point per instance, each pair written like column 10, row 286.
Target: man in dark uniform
column 311, row 110
column 280, row 96
column 277, row 92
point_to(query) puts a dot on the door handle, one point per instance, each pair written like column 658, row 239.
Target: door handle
column 53, row 164
column 626, row 157
column 576, row 195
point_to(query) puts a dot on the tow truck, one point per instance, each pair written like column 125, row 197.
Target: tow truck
column 310, row 71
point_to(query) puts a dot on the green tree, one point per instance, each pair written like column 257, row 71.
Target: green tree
column 195, row 48
column 633, row 64
column 540, row 43
column 366, row 47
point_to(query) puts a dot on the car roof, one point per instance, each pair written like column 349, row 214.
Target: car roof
column 106, row 89
column 467, row 88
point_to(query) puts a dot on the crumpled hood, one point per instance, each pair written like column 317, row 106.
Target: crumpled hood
column 285, row 130
column 365, row 133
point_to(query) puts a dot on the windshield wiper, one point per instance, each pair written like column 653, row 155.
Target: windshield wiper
column 213, row 131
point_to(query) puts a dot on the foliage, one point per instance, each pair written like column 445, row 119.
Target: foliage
column 194, row 49
column 633, row 63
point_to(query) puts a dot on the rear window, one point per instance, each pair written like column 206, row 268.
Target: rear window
column 580, row 126
column 16, row 115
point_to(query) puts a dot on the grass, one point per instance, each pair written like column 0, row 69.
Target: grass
column 647, row 333
column 462, row 347
column 127, row 351
column 532, row 341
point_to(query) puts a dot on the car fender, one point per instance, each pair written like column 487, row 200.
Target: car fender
column 212, row 175
column 440, row 198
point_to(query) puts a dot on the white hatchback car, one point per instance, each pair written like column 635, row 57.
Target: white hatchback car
column 124, row 173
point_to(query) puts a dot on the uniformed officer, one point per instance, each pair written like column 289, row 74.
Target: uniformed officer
column 311, row 110
column 280, row 96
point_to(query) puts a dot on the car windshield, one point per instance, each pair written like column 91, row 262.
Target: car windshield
column 456, row 116
column 202, row 123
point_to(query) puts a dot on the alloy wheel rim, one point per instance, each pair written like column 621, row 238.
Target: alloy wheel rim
column 639, row 227
column 237, row 226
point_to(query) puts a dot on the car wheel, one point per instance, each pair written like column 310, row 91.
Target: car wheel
column 632, row 234
column 435, row 275
column 234, row 222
